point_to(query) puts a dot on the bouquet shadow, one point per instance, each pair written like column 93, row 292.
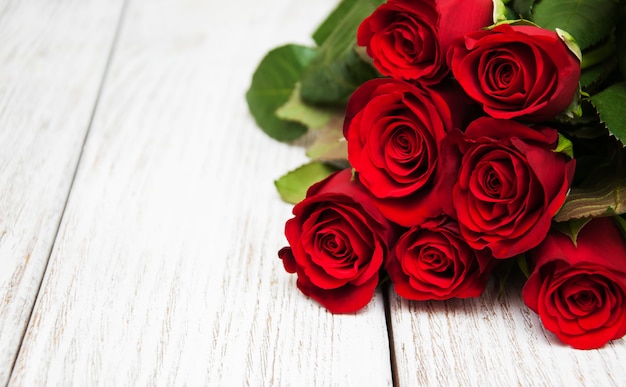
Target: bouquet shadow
column 497, row 319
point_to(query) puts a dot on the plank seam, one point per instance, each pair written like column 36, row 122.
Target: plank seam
column 103, row 80
column 392, row 354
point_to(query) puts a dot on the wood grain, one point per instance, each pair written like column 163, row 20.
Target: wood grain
column 165, row 271
column 52, row 59
column 491, row 341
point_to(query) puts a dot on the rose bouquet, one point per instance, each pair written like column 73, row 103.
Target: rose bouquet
column 451, row 138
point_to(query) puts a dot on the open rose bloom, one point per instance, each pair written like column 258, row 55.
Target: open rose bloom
column 522, row 72
column 394, row 131
column 508, row 183
column 461, row 158
column 338, row 243
column 433, row 262
column 409, row 39
column 579, row 291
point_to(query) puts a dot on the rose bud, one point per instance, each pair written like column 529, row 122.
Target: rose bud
column 579, row 291
column 408, row 39
column 338, row 243
column 431, row 261
column 516, row 71
column 394, row 130
column 508, row 183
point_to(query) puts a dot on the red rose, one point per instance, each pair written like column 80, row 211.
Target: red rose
column 394, row 130
column 408, row 39
column 338, row 242
column 523, row 72
column 509, row 183
column 579, row 291
column 431, row 261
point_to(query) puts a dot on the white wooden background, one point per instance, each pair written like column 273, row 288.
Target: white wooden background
column 139, row 224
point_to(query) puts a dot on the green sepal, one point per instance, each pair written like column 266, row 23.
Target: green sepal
column 501, row 12
column 502, row 274
column 572, row 228
column 506, row 271
column 570, row 42
column 565, row 146
column 512, row 22
column 522, row 263
column 574, row 110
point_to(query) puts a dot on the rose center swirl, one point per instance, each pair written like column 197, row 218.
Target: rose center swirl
column 585, row 300
column 494, row 180
column 407, row 38
column 503, row 74
column 408, row 153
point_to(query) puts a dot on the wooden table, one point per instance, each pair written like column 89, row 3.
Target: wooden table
column 139, row 224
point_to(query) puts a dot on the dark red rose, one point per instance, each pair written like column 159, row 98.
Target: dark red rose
column 579, row 291
column 338, row 243
column 509, row 183
column 431, row 261
column 408, row 39
column 522, row 72
column 394, row 130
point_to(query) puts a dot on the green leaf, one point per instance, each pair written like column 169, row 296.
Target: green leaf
column 588, row 21
column 600, row 53
column 292, row 187
column 329, row 143
column 572, row 227
column 313, row 117
column 611, row 106
column 620, row 41
column 599, row 185
column 272, row 85
column 523, row 7
column 593, row 77
column 337, row 70
column 332, row 21
column 604, row 195
column 585, row 126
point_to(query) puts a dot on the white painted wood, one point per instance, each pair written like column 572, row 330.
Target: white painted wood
column 491, row 341
column 52, row 57
column 165, row 271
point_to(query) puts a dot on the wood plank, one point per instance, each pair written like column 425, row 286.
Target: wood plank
column 491, row 341
column 165, row 269
column 52, row 59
